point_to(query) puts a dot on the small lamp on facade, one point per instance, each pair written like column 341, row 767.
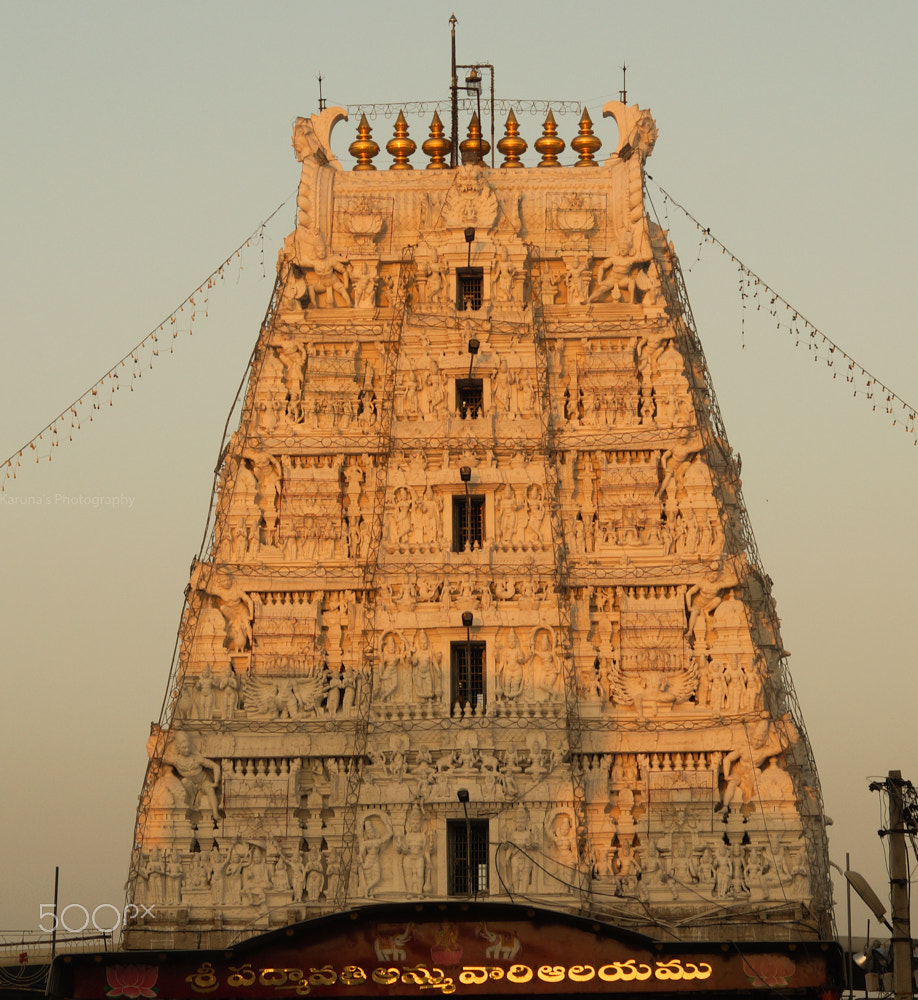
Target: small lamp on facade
column 469, row 239
column 474, row 345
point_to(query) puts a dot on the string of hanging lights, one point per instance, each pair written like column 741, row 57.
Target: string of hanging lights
column 755, row 291
column 132, row 366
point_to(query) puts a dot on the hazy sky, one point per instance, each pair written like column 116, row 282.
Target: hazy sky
column 142, row 143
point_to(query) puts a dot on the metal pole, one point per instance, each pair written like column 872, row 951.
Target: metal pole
column 454, row 99
column 493, row 146
column 57, row 872
column 468, row 846
column 898, row 891
column 849, row 963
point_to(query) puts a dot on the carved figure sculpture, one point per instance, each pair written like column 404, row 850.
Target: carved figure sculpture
column 676, row 461
column 521, row 864
column 723, row 871
column 706, row 595
column 233, row 602
column 292, row 354
column 511, row 668
column 376, row 833
column 414, row 847
column 505, row 276
column 389, row 672
column 205, row 696
column 268, row 475
column 741, row 766
column 280, row 879
column 192, row 769
column 436, row 274
column 622, row 275
column 426, row 667
column 365, row 282
column 775, row 784
column 559, row 830
column 314, row 866
column 546, row 666
column 329, row 277
column 470, row 201
column 577, row 277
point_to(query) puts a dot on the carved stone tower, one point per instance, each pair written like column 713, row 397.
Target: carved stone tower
column 481, row 613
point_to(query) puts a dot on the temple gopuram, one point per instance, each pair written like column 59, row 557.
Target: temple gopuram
column 480, row 687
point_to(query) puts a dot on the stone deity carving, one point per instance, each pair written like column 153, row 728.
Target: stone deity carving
column 741, row 766
column 192, row 769
column 233, row 602
column 520, row 864
column 375, row 834
column 511, row 668
column 314, row 867
column 559, row 831
column 426, row 669
column 414, row 846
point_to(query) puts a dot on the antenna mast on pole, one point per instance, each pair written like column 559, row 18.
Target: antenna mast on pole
column 454, row 98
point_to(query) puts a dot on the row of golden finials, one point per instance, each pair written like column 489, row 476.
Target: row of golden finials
column 475, row 148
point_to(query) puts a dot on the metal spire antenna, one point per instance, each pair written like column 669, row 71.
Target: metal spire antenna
column 454, row 96
column 623, row 93
column 321, row 98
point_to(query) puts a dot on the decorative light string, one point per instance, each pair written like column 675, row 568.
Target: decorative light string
column 132, row 366
column 754, row 289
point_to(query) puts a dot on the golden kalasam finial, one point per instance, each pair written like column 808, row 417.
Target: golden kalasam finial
column 400, row 147
column 437, row 147
column 549, row 145
column 363, row 148
column 475, row 148
column 512, row 146
column 585, row 143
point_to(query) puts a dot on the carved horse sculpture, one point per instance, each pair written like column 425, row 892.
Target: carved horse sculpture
column 389, row 947
column 502, row 944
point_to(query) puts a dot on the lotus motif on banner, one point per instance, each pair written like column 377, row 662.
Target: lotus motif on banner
column 131, row 981
column 769, row 970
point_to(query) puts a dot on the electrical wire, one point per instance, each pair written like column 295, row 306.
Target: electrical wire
column 799, row 325
column 150, row 342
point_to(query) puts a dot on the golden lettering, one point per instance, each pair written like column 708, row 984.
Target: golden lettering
column 581, row 973
column 203, row 980
column 269, row 977
column 428, row 979
column 326, row 976
column 551, row 973
column 693, row 971
column 475, row 975
column 519, row 973
column 243, row 975
column 352, row 975
column 385, row 977
column 280, row 977
column 626, row 971
column 669, row 970
column 417, row 974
